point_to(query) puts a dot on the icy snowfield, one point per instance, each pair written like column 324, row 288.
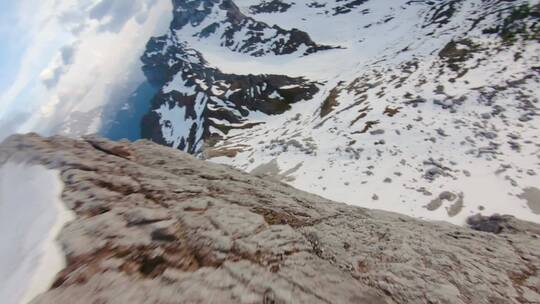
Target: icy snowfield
column 423, row 108
column 31, row 216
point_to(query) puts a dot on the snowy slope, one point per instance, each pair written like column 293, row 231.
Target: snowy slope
column 31, row 216
column 428, row 108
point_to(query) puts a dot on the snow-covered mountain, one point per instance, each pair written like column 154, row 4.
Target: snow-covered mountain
column 428, row 108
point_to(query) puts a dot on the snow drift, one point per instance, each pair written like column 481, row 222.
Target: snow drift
column 31, row 216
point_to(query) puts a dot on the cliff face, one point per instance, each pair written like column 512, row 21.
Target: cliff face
column 156, row 225
column 199, row 102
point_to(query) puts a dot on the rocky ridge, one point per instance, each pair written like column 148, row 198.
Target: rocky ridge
column 199, row 102
column 236, row 31
column 156, row 225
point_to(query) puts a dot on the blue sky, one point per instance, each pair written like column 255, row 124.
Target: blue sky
column 43, row 89
column 12, row 43
column 15, row 41
column 19, row 66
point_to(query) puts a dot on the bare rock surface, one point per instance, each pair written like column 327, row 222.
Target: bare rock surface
column 156, row 225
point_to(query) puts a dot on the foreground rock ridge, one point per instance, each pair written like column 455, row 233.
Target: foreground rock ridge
column 156, row 225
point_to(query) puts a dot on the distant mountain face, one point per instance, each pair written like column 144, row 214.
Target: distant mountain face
column 198, row 101
column 418, row 107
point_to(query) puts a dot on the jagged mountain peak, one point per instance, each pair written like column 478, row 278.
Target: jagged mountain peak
column 208, row 102
column 223, row 21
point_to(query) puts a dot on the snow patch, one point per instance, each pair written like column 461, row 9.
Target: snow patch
column 179, row 84
column 31, row 217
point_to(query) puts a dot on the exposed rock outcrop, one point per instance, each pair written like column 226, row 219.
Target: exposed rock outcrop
column 238, row 32
column 200, row 102
column 156, row 225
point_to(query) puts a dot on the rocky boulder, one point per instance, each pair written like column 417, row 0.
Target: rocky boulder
column 156, row 225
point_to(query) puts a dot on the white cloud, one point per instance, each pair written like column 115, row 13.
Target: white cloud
column 113, row 14
column 40, row 36
column 79, row 52
column 60, row 65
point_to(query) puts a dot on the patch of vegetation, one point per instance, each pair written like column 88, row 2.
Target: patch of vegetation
column 522, row 22
column 391, row 112
column 363, row 113
column 330, row 102
column 368, row 125
column 456, row 52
